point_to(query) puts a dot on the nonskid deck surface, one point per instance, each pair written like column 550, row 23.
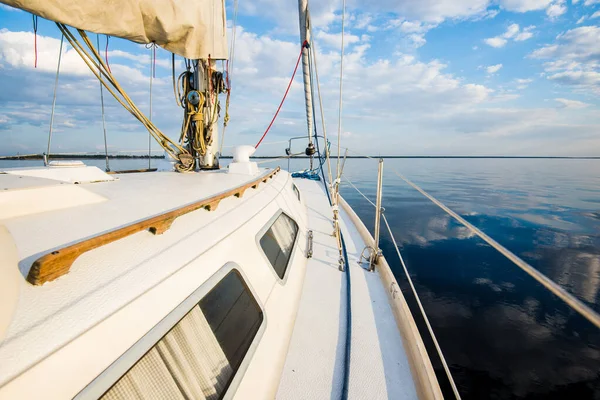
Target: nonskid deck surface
column 314, row 368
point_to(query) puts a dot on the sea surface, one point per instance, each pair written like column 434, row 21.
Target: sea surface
column 503, row 334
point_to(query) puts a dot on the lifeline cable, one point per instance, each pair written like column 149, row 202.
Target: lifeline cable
column 348, row 338
column 549, row 284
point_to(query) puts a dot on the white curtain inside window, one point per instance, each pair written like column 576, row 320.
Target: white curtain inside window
column 188, row 363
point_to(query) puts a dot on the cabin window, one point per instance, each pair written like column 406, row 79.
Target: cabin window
column 296, row 191
column 199, row 356
column 278, row 243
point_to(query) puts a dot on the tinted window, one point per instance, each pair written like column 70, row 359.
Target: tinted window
column 199, row 356
column 296, row 191
column 278, row 242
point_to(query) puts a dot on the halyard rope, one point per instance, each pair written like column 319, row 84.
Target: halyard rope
column 284, row 96
column 103, row 117
column 54, row 96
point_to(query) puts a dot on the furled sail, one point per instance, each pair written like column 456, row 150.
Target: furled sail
column 190, row 28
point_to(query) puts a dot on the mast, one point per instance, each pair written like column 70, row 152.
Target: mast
column 305, row 38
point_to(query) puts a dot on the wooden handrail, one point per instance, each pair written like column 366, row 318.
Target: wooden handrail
column 58, row 262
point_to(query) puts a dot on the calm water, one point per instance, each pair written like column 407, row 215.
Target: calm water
column 503, row 334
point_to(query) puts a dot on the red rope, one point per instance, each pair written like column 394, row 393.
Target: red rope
column 106, row 54
column 35, row 25
column 305, row 44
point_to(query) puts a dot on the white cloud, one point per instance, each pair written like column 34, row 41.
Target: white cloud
column 16, row 50
column 418, row 40
column 595, row 15
column 555, row 10
column 513, row 32
column 492, row 69
column 523, row 36
column 580, row 20
column 524, row 5
column 495, row 42
column 8, row 8
column 574, row 59
column 523, row 83
column 591, row 2
column 566, row 103
column 335, row 39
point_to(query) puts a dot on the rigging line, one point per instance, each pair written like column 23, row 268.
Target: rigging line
column 103, row 117
column 284, row 96
column 313, row 53
column 549, row 284
column 358, row 190
column 152, row 48
column 94, row 62
column 279, row 158
column 229, row 68
column 341, row 244
column 429, row 328
column 341, row 86
column 54, row 97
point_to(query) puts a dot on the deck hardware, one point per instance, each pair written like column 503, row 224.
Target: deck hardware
column 58, row 262
column 309, row 246
column 341, row 264
column 378, row 210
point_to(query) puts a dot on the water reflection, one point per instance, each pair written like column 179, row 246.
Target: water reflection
column 503, row 334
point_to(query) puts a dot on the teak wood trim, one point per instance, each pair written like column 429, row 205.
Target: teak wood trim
column 57, row 263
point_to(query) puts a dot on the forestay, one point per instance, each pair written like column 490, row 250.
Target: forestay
column 190, row 28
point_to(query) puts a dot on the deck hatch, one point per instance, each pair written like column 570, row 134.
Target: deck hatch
column 199, row 356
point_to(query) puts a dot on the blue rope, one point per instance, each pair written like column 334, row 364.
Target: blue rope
column 312, row 174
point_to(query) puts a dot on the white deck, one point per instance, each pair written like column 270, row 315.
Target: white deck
column 104, row 280
column 65, row 333
column 379, row 368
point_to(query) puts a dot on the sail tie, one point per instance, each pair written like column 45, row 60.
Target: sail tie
column 106, row 54
column 305, row 44
column 35, row 27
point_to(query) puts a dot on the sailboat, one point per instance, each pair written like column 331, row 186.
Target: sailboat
column 194, row 281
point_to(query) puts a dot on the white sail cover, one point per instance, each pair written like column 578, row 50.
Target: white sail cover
column 190, row 28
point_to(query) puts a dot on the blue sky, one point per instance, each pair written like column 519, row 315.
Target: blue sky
column 430, row 77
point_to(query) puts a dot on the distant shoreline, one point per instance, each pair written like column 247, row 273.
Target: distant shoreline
column 133, row 157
